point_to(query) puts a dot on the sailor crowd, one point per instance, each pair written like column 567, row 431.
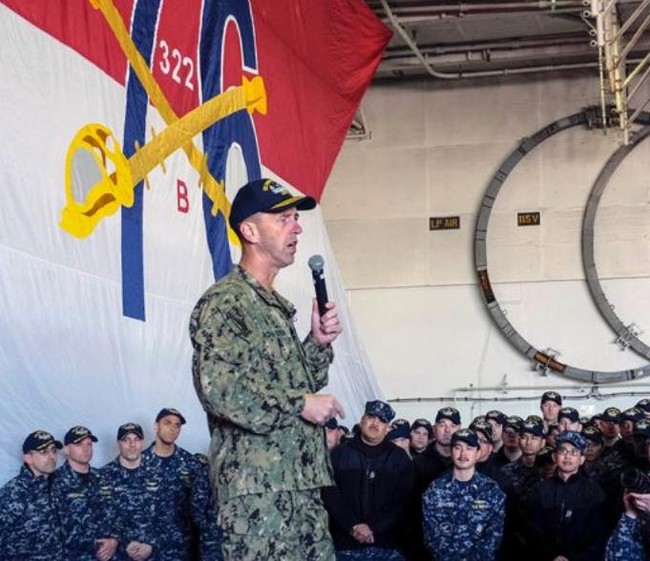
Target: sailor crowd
column 550, row 487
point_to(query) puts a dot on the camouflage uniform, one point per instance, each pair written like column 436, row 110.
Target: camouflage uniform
column 84, row 516
column 251, row 373
column 181, row 499
column 624, row 544
column 463, row 520
column 134, row 496
column 29, row 525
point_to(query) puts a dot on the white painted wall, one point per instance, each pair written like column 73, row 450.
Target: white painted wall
column 434, row 148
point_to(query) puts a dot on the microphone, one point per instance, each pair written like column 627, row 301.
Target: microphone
column 316, row 263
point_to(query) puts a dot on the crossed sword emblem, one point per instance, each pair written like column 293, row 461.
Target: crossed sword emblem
column 115, row 189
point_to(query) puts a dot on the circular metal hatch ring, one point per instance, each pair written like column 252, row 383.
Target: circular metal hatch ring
column 480, row 260
column 625, row 334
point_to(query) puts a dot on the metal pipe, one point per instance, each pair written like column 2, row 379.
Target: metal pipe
column 637, row 34
column 486, row 73
column 631, row 19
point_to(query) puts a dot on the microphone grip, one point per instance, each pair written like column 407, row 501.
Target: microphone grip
column 321, row 291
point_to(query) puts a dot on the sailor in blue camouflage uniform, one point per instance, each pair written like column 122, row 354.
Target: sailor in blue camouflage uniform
column 29, row 525
column 258, row 383
column 133, row 491
column 183, row 500
column 85, row 518
column 205, row 515
column 464, row 510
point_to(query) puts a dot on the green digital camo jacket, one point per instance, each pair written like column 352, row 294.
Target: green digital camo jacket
column 251, row 373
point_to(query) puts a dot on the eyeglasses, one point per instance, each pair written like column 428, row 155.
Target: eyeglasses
column 568, row 452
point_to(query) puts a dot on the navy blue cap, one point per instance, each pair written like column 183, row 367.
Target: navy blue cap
column 593, row 434
column 423, row 423
column 482, row 426
column 611, row 415
column 514, row 422
column 632, row 414
column 76, row 434
column 642, row 429
column 39, row 440
column 450, row 414
column 569, row 413
column 571, row 437
column 399, row 428
column 264, row 195
column 497, row 416
column 129, row 428
column 381, row 410
column 165, row 411
column 644, row 404
column 551, row 396
column 532, row 426
column 544, row 457
column 467, row 436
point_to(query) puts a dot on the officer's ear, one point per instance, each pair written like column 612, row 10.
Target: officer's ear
column 248, row 230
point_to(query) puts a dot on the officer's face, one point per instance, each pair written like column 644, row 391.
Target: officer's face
column 444, row 430
column 530, row 444
column 550, row 410
column 373, row 429
column 510, row 437
column 41, row 462
column 485, row 447
column 168, row 428
column 275, row 236
column 627, row 429
column 419, row 438
column 610, row 430
column 402, row 442
column 568, row 459
column 593, row 451
column 332, row 437
column 567, row 424
column 497, row 430
column 464, row 456
column 130, row 447
column 80, row 453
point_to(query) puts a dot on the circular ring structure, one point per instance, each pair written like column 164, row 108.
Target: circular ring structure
column 542, row 358
column 625, row 334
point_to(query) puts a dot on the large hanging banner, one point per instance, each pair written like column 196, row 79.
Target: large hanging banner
column 127, row 127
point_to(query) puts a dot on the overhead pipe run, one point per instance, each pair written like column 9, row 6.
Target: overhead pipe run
column 476, row 74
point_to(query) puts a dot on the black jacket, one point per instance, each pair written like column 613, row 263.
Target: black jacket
column 566, row 518
column 373, row 484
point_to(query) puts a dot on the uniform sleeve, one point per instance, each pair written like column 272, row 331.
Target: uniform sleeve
column 433, row 539
column 624, row 545
column 318, row 359
column 11, row 508
column 234, row 371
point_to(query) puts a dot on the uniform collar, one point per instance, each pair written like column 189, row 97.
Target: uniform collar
column 271, row 297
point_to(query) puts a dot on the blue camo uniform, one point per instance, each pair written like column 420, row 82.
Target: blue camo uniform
column 84, row 515
column 463, row 520
column 206, row 514
column 181, row 499
column 134, row 496
column 29, row 525
column 624, row 544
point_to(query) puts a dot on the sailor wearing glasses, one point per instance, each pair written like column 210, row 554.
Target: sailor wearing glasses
column 565, row 514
